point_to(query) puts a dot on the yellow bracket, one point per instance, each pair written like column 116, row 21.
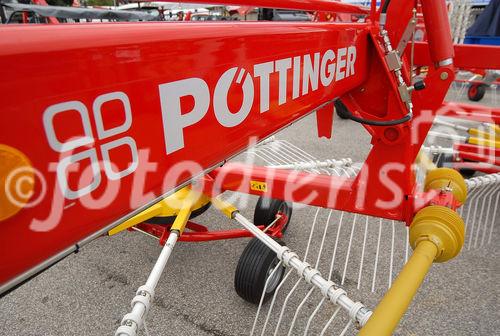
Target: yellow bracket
column 174, row 205
column 226, row 208
column 183, row 216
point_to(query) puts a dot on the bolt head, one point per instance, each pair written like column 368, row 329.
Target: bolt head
column 444, row 75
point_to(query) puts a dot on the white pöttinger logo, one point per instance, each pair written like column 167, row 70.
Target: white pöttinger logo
column 87, row 139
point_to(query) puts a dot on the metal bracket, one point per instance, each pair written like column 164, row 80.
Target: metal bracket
column 404, row 93
column 405, row 38
column 393, row 60
column 394, row 63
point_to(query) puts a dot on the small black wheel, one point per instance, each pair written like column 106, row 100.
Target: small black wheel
column 267, row 209
column 476, row 92
column 256, row 265
column 341, row 110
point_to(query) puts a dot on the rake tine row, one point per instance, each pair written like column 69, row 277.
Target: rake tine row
column 355, row 251
column 480, row 210
column 284, row 155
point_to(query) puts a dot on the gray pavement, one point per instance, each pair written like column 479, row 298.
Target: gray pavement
column 88, row 293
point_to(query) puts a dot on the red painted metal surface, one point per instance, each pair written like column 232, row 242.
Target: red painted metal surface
column 314, row 189
column 486, row 168
column 192, row 95
column 82, row 64
column 466, row 56
column 470, row 112
column 481, row 150
column 438, row 30
column 479, row 158
column 324, row 121
column 200, row 233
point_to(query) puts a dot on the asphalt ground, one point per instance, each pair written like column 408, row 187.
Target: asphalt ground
column 88, row 293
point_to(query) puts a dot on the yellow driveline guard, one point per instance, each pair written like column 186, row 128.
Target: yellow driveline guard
column 436, row 235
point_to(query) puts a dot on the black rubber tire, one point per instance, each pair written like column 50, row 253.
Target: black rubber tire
column 257, row 262
column 341, row 110
column 267, row 208
column 476, row 92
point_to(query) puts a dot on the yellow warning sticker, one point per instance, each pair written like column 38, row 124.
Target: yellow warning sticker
column 258, row 186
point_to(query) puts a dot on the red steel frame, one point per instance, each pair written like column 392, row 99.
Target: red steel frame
column 480, row 158
column 471, row 112
column 54, row 64
column 198, row 233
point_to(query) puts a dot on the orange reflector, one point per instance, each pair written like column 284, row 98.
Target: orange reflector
column 17, row 181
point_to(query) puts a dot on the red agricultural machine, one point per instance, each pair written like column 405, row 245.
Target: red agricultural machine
column 130, row 126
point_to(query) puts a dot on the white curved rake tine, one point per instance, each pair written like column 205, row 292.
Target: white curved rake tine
column 273, row 300
column 346, row 328
column 300, row 150
column 336, row 242
column 494, row 217
column 282, row 283
column 285, row 302
column 495, row 190
column 330, row 272
column 299, row 307
column 392, row 255
column 335, row 313
column 316, row 310
column 280, row 264
column 491, row 189
column 407, row 243
column 349, row 248
column 294, row 155
column 272, row 156
column 480, row 188
column 377, row 255
column 299, row 280
column 473, row 227
column 363, row 253
column 471, row 201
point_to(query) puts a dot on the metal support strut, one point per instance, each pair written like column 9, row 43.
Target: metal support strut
column 133, row 321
